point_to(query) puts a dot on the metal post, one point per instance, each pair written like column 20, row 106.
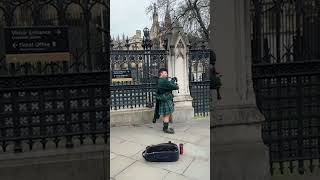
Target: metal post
column 147, row 47
column 87, row 15
column 298, row 43
column 102, row 32
column 257, row 31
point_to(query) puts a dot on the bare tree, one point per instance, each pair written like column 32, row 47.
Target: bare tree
column 194, row 15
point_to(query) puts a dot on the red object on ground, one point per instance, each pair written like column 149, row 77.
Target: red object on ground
column 181, row 148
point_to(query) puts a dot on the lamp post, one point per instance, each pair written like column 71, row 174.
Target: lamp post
column 147, row 44
column 127, row 43
column 87, row 13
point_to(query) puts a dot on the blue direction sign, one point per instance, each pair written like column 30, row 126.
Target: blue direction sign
column 25, row 40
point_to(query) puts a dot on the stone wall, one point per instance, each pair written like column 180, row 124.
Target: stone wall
column 139, row 116
column 136, row 116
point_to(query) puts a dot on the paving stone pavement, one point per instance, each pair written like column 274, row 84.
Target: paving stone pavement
column 128, row 142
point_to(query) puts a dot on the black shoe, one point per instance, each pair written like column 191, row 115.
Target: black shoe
column 169, row 131
column 154, row 120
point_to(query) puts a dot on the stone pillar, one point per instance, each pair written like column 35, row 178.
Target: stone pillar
column 237, row 148
column 178, row 46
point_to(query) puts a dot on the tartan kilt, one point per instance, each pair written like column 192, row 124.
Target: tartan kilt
column 166, row 107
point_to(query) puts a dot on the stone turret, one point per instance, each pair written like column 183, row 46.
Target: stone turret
column 155, row 28
column 178, row 46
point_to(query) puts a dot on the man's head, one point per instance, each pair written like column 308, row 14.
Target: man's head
column 163, row 72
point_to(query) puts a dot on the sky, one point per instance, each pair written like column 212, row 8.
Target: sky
column 127, row 16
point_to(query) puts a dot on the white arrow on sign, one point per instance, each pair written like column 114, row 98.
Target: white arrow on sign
column 14, row 45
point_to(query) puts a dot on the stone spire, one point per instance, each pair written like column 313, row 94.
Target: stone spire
column 167, row 19
column 155, row 13
column 155, row 29
column 123, row 37
column 118, row 38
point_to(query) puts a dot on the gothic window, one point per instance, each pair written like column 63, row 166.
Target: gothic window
column 2, row 18
column 49, row 15
column 74, row 15
column 22, row 16
column 96, row 14
column 124, row 66
column 180, row 44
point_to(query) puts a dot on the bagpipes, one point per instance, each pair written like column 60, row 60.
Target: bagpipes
column 174, row 80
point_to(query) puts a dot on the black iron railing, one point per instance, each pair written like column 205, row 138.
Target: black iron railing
column 290, row 101
column 200, row 92
column 144, row 64
column 54, row 102
column 60, row 102
column 126, row 95
column 199, row 80
column 51, row 108
column 199, row 60
column 286, row 74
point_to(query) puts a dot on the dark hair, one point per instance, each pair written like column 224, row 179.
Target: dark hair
column 161, row 70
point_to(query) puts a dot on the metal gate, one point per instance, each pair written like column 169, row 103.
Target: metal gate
column 286, row 75
column 62, row 103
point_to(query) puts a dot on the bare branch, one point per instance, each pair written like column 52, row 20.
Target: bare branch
column 193, row 14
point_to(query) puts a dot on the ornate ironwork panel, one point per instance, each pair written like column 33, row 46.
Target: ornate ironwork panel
column 44, row 108
column 200, row 93
column 199, row 60
column 144, row 64
column 286, row 75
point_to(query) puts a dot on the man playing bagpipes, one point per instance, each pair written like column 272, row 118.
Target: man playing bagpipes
column 164, row 100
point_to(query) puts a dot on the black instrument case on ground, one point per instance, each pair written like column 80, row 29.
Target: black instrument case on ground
column 164, row 152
